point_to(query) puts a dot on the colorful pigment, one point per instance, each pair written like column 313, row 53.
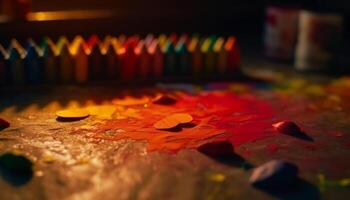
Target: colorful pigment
column 217, row 116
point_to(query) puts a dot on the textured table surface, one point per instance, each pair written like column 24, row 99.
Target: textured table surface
column 73, row 166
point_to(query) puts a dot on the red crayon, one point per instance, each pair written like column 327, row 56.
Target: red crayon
column 173, row 38
column 143, row 60
column 233, row 56
column 157, row 59
column 129, row 59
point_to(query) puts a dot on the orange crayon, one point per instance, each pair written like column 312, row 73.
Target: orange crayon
column 79, row 52
column 66, row 63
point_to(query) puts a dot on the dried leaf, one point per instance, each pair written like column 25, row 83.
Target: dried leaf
column 173, row 120
column 72, row 113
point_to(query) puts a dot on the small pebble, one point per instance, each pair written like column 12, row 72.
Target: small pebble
column 217, row 149
column 287, row 127
column 275, row 174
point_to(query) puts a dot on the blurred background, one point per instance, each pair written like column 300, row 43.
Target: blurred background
column 136, row 16
column 245, row 19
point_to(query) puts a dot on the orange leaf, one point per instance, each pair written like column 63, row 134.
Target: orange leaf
column 73, row 113
column 173, row 120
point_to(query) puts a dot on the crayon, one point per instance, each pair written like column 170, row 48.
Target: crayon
column 15, row 63
column 162, row 40
column 122, row 39
column 233, row 58
column 96, row 68
column 209, row 56
column 66, row 63
column 148, row 40
column 80, row 60
column 173, row 38
column 157, row 59
column 49, row 59
column 197, row 57
column 221, row 55
column 33, row 66
column 129, row 59
column 169, row 59
column 143, row 60
column 184, row 38
column 183, row 58
column 110, row 53
column 3, row 68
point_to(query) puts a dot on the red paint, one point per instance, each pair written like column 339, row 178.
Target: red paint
column 272, row 148
column 217, row 117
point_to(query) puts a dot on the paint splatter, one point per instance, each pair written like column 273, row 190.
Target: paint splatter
column 217, row 116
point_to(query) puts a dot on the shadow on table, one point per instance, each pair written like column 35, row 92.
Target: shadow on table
column 303, row 136
column 233, row 160
column 303, row 190
column 15, row 179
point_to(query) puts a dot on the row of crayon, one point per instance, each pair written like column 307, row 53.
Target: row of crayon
column 118, row 58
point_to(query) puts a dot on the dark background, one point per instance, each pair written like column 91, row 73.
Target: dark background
column 244, row 18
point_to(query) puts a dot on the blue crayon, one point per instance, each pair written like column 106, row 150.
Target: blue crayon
column 169, row 59
column 3, row 68
column 32, row 64
column 183, row 58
